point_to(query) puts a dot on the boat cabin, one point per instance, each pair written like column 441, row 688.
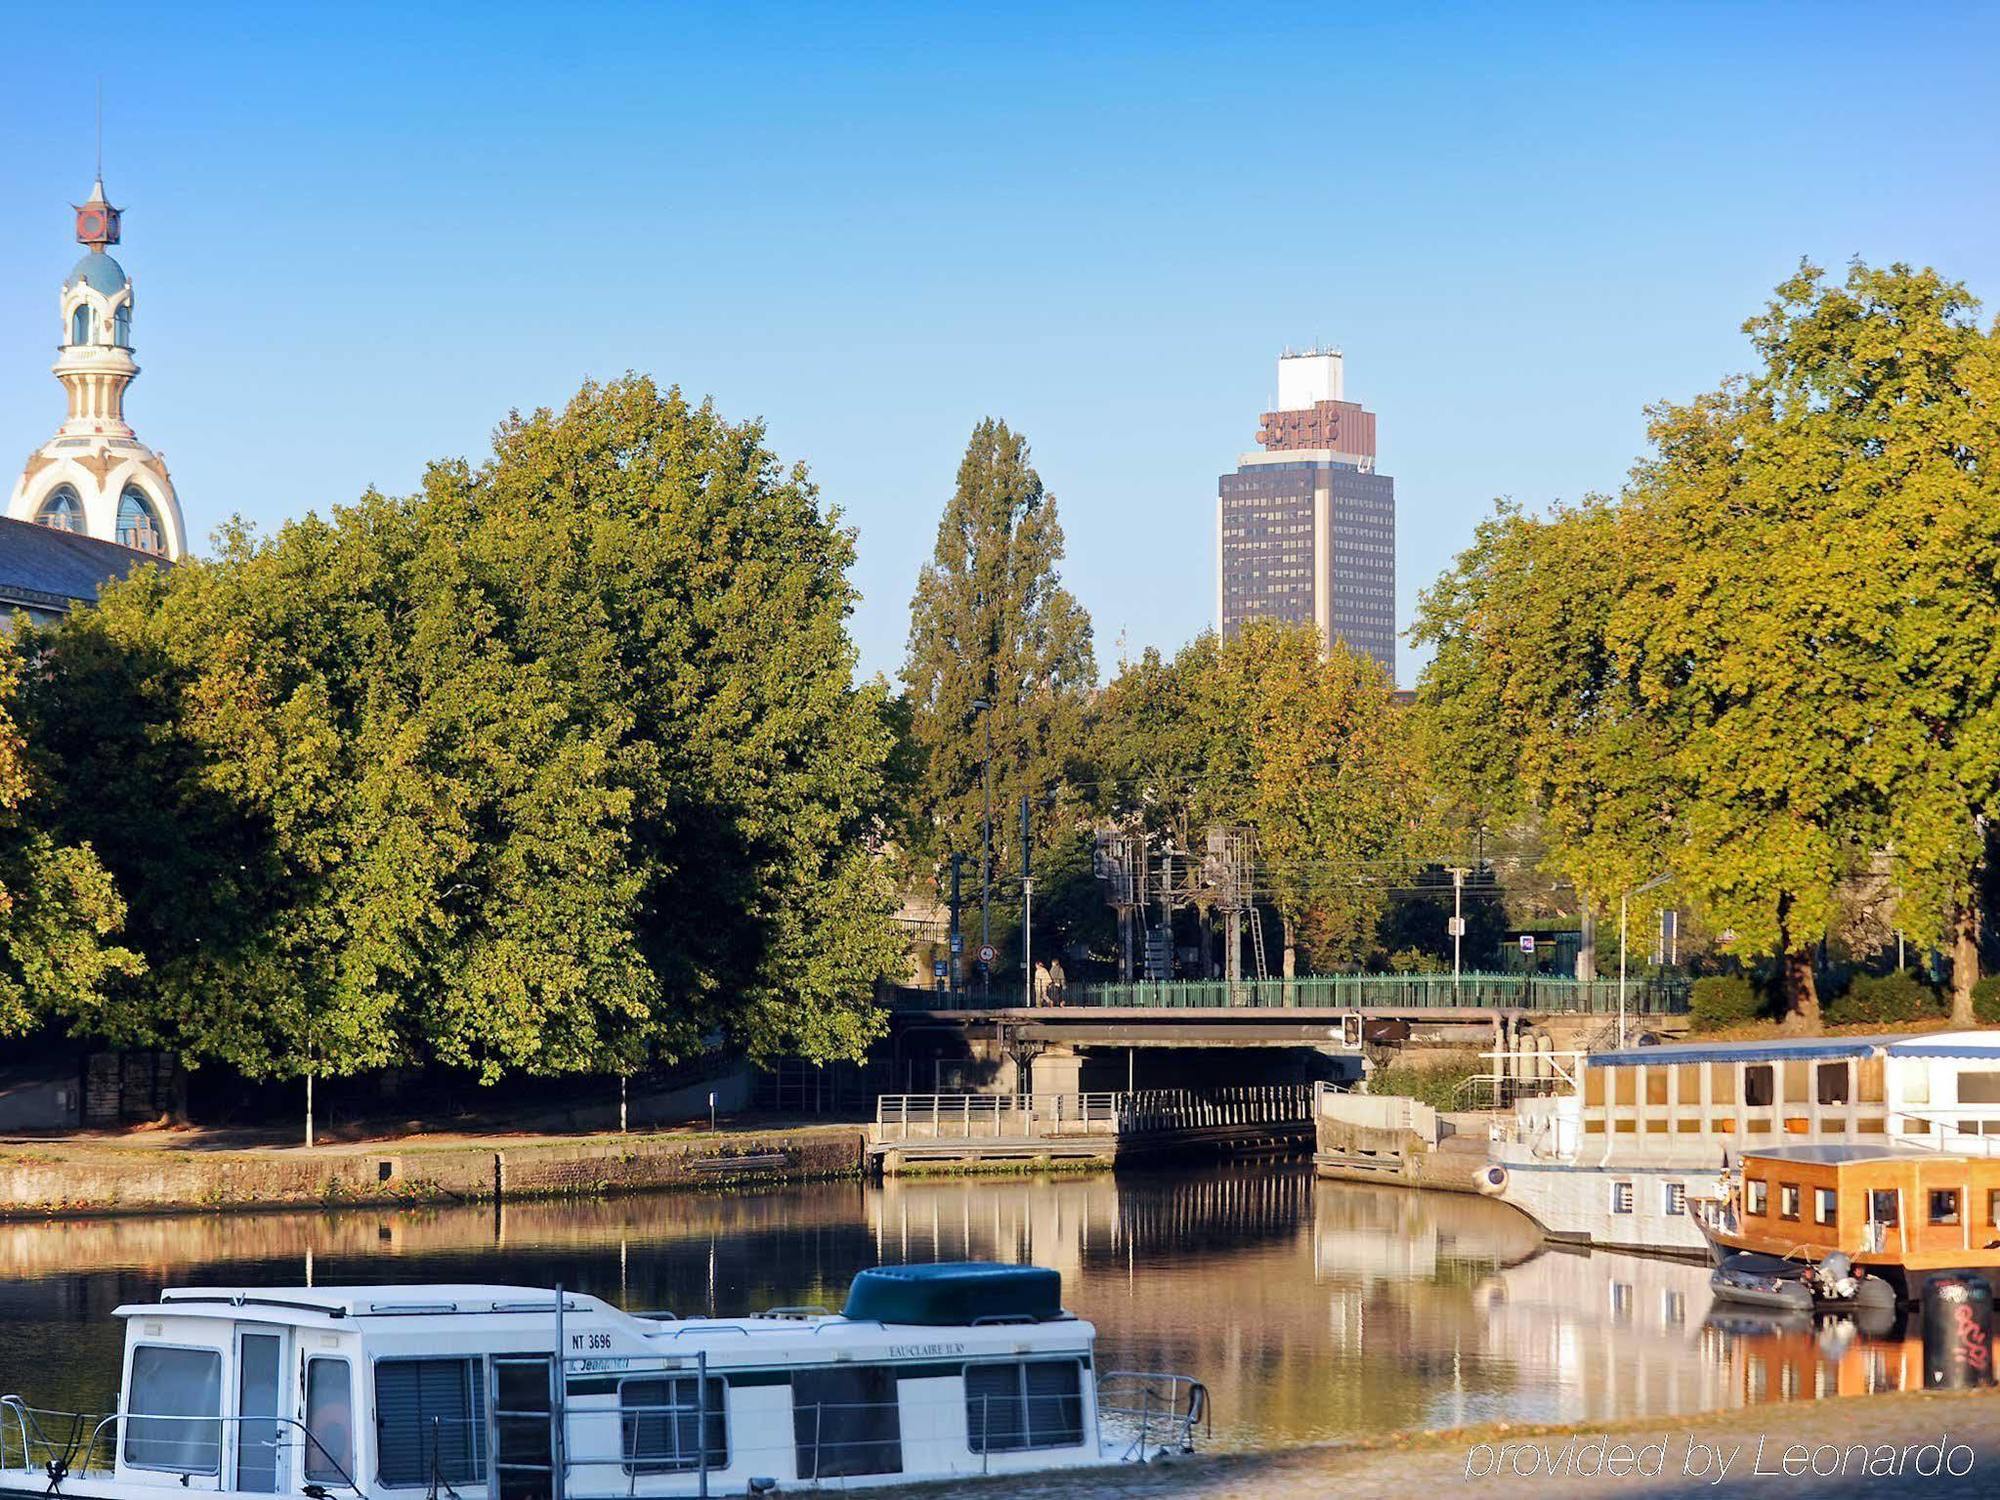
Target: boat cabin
column 1884, row 1206
column 517, row 1392
column 1700, row 1100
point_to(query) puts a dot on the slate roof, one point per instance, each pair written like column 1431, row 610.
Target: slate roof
column 45, row 571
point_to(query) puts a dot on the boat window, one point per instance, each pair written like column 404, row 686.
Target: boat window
column 846, row 1421
column 1825, row 1206
column 1993, row 1205
column 1674, row 1198
column 1944, row 1205
column 1034, row 1404
column 1722, row 1083
column 1758, row 1085
column 1621, row 1197
column 430, row 1421
column 1882, row 1206
column 1788, row 1200
column 329, row 1450
column 661, row 1418
column 1981, row 1087
column 1656, row 1086
column 257, row 1396
column 1756, row 1196
column 170, row 1392
column 1917, row 1082
column 1833, row 1083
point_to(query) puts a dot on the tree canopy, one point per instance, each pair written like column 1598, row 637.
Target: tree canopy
column 991, row 622
column 553, row 766
column 1768, row 668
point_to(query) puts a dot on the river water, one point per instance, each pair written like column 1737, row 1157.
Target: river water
column 1313, row 1310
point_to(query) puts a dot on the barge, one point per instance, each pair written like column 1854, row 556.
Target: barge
column 1633, row 1149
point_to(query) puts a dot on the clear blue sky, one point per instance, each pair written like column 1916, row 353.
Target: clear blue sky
column 361, row 234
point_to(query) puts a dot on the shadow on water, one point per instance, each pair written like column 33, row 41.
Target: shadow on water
column 1313, row 1310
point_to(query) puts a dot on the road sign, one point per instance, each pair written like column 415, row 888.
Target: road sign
column 939, row 968
column 987, row 953
column 1527, row 942
column 1454, row 927
column 958, row 942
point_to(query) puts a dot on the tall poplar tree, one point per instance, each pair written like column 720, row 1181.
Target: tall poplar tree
column 991, row 621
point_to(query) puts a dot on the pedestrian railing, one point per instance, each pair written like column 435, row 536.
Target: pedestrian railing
column 1531, row 992
column 1033, row 1117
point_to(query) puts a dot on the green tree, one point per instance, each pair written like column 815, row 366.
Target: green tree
column 1272, row 731
column 552, row 766
column 1814, row 609
column 991, row 622
column 59, row 909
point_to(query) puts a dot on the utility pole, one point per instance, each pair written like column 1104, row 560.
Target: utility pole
column 1458, row 874
column 1027, row 912
column 957, row 944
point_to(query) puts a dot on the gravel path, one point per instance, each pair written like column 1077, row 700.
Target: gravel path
column 1864, row 1446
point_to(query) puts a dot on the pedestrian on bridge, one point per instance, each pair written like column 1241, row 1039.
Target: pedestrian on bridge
column 1041, row 984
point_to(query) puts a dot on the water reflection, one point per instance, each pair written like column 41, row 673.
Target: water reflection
column 1313, row 1310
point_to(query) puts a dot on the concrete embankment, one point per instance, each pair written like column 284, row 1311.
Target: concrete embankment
column 162, row 1174
column 1940, row 1447
column 1398, row 1141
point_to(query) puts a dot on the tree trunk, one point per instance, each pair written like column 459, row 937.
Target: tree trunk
column 1964, row 960
column 1798, row 991
column 1586, row 949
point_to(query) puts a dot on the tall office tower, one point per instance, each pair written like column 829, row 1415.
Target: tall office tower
column 1306, row 529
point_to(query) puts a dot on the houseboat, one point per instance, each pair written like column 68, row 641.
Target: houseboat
column 1628, row 1149
column 520, row 1393
column 1857, row 1219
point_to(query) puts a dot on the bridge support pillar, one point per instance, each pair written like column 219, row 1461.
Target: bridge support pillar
column 1059, row 1070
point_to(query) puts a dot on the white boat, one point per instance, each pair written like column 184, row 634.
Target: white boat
column 521, row 1393
column 1631, row 1149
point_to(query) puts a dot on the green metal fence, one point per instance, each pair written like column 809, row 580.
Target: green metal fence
column 1593, row 997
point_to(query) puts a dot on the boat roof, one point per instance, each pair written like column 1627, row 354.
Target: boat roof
column 1966, row 1044
column 1844, row 1153
column 371, row 1301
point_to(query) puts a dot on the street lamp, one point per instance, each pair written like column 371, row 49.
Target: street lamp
column 1638, row 890
column 984, row 708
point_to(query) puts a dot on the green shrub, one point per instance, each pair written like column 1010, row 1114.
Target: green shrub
column 1986, row 1001
column 1871, row 998
column 1440, row 1085
column 1724, row 1000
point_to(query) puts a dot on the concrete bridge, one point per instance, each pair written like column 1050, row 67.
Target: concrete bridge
column 1204, row 1033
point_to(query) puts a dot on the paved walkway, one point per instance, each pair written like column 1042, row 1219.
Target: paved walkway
column 1864, row 1446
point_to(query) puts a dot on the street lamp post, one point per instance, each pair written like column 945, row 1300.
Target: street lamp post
column 1638, row 890
column 984, row 708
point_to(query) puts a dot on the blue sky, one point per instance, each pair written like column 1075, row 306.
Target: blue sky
column 361, row 234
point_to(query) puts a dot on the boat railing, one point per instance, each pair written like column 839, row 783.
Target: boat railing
column 1150, row 1411
column 1945, row 1130
column 91, row 1443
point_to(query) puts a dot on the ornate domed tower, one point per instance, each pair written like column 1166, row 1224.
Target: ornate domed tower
column 94, row 476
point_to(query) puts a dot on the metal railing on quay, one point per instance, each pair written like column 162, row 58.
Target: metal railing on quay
column 1030, row 1117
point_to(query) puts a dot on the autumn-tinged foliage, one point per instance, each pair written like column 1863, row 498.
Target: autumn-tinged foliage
column 1769, row 667
column 1298, row 742
column 553, row 766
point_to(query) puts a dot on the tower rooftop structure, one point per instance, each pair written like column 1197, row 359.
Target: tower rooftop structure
column 1305, row 529
column 95, row 477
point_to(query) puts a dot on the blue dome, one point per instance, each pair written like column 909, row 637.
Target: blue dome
column 99, row 272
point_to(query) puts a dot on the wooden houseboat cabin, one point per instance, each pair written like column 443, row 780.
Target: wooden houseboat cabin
column 1903, row 1214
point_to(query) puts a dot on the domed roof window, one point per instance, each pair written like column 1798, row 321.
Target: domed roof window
column 62, row 510
column 138, row 527
column 79, row 324
column 99, row 272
